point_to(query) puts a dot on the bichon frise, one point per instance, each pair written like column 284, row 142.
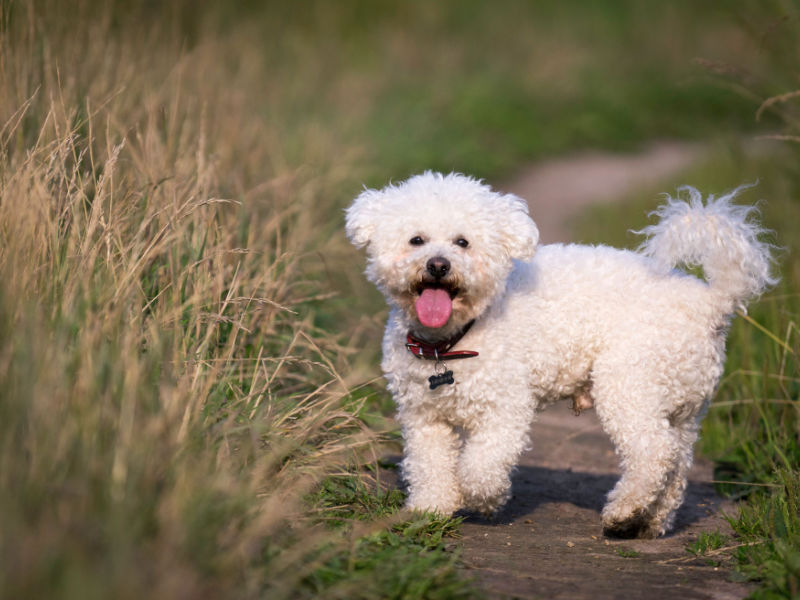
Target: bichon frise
column 485, row 329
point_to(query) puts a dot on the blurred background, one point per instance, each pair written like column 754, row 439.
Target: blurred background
column 189, row 349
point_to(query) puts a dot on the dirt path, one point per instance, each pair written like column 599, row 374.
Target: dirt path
column 557, row 190
column 547, row 542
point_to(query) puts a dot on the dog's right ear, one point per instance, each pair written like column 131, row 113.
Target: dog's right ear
column 519, row 233
column 361, row 218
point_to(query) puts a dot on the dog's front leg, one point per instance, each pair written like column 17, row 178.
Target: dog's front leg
column 429, row 463
column 490, row 451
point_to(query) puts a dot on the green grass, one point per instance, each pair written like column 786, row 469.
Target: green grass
column 400, row 558
column 188, row 346
column 707, row 541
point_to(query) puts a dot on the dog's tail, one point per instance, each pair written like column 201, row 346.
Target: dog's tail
column 718, row 236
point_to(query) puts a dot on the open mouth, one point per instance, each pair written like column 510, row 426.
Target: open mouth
column 435, row 303
column 451, row 290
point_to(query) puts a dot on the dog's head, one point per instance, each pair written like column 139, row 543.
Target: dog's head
column 440, row 247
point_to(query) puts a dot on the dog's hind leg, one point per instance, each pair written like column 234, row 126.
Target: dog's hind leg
column 675, row 490
column 429, row 464
column 651, row 486
column 654, row 459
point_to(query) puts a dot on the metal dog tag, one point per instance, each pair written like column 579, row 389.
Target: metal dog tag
column 441, row 379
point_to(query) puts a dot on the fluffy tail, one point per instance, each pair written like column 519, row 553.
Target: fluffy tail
column 718, row 236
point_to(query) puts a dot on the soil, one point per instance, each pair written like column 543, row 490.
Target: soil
column 547, row 541
column 558, row 189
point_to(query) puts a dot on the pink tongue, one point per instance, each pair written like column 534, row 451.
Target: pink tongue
column 434, row 307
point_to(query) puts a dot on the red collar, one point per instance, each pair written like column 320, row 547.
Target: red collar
column 440, row 351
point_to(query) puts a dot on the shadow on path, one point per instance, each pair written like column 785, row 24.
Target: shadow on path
column 547, row 541
column 533, row 488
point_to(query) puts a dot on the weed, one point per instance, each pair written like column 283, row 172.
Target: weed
column 707, row 541
column 404, row 556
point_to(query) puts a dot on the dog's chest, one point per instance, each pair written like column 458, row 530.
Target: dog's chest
column 455, row 404
column 460, row 402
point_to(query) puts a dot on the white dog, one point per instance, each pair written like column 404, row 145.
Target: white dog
column 623, row 331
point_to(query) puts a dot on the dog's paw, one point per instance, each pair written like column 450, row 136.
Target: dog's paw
column 639, row 524
column 444, row 504
column 487, row 505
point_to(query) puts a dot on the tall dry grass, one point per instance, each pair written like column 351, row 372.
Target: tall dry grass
column 165, row 399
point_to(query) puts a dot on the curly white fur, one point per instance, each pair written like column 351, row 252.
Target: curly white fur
column 644, row 341
column 717, row 236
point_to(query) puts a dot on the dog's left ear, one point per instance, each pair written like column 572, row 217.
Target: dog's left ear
column 520, row 234
column 361, row 217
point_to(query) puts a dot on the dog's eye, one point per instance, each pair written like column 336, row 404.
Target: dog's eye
column 416, row 241
column 462, row 242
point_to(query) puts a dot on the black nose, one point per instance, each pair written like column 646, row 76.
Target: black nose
column 438, row 266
